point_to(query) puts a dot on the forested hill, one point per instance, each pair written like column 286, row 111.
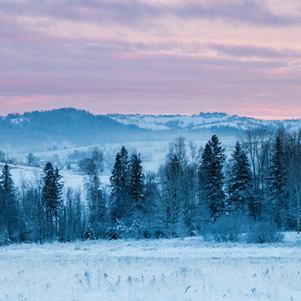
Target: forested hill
column 63, row 127
column 68, row 127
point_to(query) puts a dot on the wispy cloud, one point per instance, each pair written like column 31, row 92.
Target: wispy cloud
column 138, row 54
column 253, row 12
column 247, row 11
column 249, row 51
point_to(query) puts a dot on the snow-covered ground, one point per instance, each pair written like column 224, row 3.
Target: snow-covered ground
column 175, row 269
column 22, row 173
column 153, row 154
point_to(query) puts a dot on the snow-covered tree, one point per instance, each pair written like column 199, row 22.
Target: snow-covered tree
column 258, row 144
column 92, row 163
column 97, row 157
column 52, row 195
column 152, row 216
column 239, row 181
column 8, row 202
column 174, row 198
column 119, row 180
column 136, row 185
column 32, row 218
column 211, row 176
column 96, row 204
column 278, row 184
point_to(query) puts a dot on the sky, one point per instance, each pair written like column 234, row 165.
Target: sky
column 152, row 56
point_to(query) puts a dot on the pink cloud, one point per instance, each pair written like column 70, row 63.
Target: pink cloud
column 136, row 56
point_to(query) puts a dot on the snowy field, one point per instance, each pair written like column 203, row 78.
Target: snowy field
column 153, row 154
column 175, row 269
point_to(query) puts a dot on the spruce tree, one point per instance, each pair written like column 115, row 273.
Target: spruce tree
column 116, row 191
column 120, row 207
column 58, row 188
column 211, row 176
column 51, row 194
column 48, row 193
column 240, row 181
column 278, row 185
column 136, row 185
column 8, row 201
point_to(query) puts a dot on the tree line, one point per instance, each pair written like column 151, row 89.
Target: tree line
column 194, row 191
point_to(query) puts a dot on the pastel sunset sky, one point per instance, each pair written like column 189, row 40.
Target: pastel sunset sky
column 152, row 56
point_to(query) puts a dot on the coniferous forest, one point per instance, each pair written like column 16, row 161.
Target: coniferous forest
column 253, row 194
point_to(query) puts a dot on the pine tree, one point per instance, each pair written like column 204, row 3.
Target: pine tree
column 240, row 181
column 120, row 207
column 211, row 177
column 48, row 193
column 58, row 188
column 7, row 184
column 136, row 185
column 51, row 195
column 8, row 201
column 278, row 185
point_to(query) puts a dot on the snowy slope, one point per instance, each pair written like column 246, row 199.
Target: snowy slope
column 21, row 174
column 153, row 154
column 198, row 122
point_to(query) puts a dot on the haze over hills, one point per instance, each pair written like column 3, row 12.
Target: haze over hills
column 68, row 127
column 62, row 128
column 202, row 121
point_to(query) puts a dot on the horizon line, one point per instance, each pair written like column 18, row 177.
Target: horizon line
column 257, row 117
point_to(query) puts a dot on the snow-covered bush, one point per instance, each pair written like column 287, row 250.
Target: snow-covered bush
column 137, row 230
column 264, row 232
column 226, row 228
column 119, row 231
column 4, row 237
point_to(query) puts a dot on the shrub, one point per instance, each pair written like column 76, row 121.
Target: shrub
column 121, row 231
column 4, row 237
column 226, row 228
column 264, row 232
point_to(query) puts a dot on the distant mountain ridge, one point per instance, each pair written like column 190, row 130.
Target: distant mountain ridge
column 200, row 122
column 65, row 127
column 69, row 127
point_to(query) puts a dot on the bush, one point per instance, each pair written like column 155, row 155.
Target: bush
column 121, row 231
column 159, row 233
column 88, row 234
column 264, row 232
column 4, row 237
column 226, row 229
